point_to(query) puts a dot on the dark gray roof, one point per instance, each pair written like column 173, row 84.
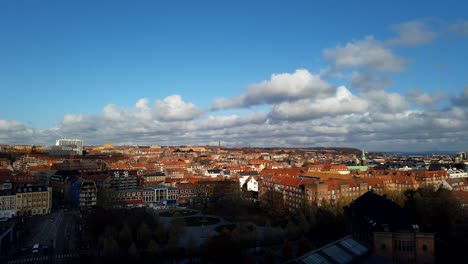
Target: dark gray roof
column 248, row 173
column 379, row 212
column 345, row 250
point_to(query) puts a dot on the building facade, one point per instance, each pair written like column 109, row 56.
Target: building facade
column 77, row 143
column 7, row 203
column 88, row 194
column 33, row 200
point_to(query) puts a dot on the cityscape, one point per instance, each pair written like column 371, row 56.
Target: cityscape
column 183, row 204
column 207, row 131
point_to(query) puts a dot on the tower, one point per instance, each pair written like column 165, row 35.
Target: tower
column 363, row 158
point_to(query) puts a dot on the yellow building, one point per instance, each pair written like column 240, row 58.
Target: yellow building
column 33, row 200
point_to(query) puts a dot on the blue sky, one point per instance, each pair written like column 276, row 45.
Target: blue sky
column 62, row 60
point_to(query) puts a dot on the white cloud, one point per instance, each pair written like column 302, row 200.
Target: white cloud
column 112, row 112
column 367, row 81
column 173, row 108
column 72, row 119
column 381, row 101
column 142, row 110
column 411, row 33
column 462, row 99
column 344, row 102
column 368, row 53
column 421, row 98
column 281, row 87
column 460, row 28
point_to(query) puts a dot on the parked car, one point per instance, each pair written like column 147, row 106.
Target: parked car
column 36, row 248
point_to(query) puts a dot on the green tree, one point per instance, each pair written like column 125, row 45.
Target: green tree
column 396, row 196
column 303, row 224
column 304, row 246
column 269, row 257
column 125, row 237
column 177, row 228
column 287, row 251
column 143, row 235
column 192, row 243
column 111, row 248
column 104, row 198
column 133, row 251
column 273, row 203
column 160, row 234
column 153, row 248
column 291, row 230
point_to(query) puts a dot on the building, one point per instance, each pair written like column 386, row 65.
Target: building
column 33, row 200
column 151, row 195
column 7, row 203
column 124, row 180
column 154, row 178
column 88, row 194
column 381, row 224
column 345, row 250
column 77, row 143
column 66, row 186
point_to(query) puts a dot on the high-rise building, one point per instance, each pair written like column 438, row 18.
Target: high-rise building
column 76, row 143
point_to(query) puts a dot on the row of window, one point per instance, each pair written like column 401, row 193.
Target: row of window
column 404, row 245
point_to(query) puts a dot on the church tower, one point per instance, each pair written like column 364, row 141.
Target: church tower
column 363, row 159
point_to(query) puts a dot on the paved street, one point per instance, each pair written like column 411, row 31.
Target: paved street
column 57, row 231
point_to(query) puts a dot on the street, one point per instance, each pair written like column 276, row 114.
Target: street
column 58, row 235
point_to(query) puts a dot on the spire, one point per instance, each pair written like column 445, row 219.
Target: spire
column 363, row 158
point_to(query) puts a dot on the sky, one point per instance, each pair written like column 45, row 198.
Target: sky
column 378, row 75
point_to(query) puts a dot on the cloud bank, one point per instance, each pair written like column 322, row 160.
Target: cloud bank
column 298, row 109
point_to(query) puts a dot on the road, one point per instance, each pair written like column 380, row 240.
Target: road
column 58, row 231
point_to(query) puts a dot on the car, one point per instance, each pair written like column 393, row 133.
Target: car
column 3, row 219
column 36, row 248
column 45, row 250
column 52, row 220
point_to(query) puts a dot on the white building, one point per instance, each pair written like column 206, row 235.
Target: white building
column 456, row 174
column 252, row 184
column 77, row 143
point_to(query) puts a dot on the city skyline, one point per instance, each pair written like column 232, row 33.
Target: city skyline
column 386, row 77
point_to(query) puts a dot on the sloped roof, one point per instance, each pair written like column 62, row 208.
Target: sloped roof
column 379, row 212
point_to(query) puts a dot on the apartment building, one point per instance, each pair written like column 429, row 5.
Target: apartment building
column 7, row 203
column 88, row 194
column 33, row 200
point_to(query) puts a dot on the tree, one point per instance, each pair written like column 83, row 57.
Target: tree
column 133, row 251
column 440, row 212
column 161, row 234
column 273, row 203
column 396, row 196
column 192, row 243
column 125, row 237
column 287, row 251
column 143, row 235
column 222, row 249
column 153, row 248
column 111, row 248
column 291, row 230
column 104, row 197
column 177, row 228
column 303, row 224
column 304, row 246
column 269, row 257
column 191, row 246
